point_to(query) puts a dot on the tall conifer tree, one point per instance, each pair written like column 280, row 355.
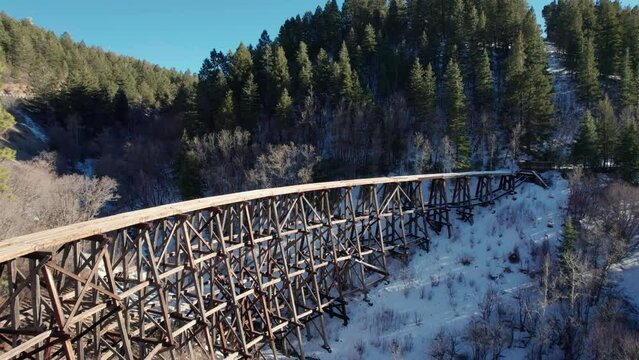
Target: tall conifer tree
column 422, row 91
column 484, row 83
column 587, row 75
column 304, row 70
column 628, row 152
column 608, row 37
column 458, row 117
column 584, row 150
column 628, row 88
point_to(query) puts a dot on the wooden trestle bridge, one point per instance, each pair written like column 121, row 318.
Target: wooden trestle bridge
column 245, row 275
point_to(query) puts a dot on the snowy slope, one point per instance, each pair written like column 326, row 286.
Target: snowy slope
column 436, row 290
column 568, row 109
column 35, row 129
column 626, row 275
column 26, row 137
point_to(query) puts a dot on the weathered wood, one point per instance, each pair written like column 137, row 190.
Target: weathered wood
column 231, row 275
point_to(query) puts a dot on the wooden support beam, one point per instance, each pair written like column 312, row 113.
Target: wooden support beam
column 229, row 275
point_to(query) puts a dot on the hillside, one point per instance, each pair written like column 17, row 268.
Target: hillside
column 38, row 62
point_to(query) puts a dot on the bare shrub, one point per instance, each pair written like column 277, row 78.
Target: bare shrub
column 360, row 348
column 514, row 257
column 39, row 200
column 445, row 345
column 224, row 157
column 386, row 320
column 491, row 330
column 422, row 152
column 284, row 165
column 446, row 155
column 612, row 320
column 466, row 259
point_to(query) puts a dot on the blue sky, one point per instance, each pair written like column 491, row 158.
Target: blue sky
column 176, row 34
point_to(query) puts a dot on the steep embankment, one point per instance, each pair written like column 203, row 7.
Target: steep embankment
column 442, row 289
column 568, row 110
column 27, row 137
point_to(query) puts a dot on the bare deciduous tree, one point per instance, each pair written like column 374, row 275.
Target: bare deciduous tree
column 422, row 152
column 445, row 345
column 224, row 158
column 284, row 165
column 38, row 199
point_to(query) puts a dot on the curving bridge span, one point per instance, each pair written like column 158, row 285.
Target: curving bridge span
column 245, row 275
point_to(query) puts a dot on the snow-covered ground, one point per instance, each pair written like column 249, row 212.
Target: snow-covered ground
column 568, row 109
column 626, row 275
column 435, row 290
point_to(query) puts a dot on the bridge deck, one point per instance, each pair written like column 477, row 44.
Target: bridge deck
column 26, row 244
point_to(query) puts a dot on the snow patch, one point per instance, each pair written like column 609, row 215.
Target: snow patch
column 30, row 124
column 626, row 275
column 86, row 167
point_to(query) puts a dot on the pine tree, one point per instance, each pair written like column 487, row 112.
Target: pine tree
column 226, row 117
column 608, row 37
column 263, row 75
column 529, row 91
column 279, row 70
column 6, row 121
column 244, row 87
column 484, row 84
column 188, row 176
column 456, row 110
column 627, row 89
column 587, row 75
column 284, row 110
column 584, row 150
column 574, row 37
column 396, row 21
column 324, row 76
column 240, row 68
column 422, row 91
column 538, row 86
column 607, row 131
column 416, row 82
column 568, row 242
column 470, row 33
column 349, row 87
column 331, row 31
column 628, row 152
column 247, row 108
column 424, row 52
column 369, row 41
column 304, row 70
column 515, row 68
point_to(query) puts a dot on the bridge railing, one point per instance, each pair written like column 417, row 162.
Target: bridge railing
column 242, row 274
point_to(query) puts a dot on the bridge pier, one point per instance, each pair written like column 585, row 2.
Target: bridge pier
column 438, row 210
column 462, row 199
column 484, row 190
